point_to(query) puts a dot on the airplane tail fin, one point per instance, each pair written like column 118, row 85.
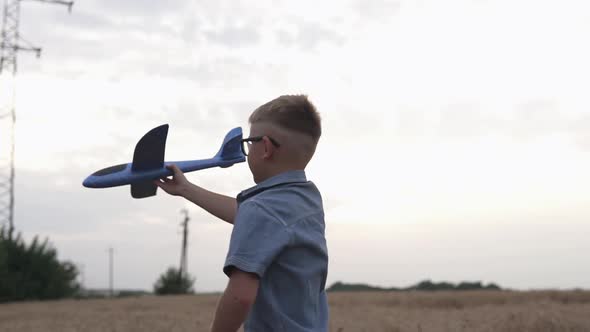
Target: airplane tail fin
column 149, row 151
column 149, row 155
column 231, row 147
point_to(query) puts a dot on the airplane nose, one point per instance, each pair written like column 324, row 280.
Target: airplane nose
column 87, row 182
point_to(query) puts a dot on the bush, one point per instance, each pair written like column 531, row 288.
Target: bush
column 171, row 282
column 425, row 285
column 33, row 272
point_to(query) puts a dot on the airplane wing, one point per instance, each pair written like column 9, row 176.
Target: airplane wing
column 149, row 155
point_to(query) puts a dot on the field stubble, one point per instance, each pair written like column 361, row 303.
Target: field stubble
column 478, row 311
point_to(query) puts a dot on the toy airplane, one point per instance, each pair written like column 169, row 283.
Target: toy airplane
column 148, row 163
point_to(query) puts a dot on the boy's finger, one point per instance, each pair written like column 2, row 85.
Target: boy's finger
column 174, row 169
column 161, row 182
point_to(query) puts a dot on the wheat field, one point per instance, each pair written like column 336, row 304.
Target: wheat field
column 349, row 311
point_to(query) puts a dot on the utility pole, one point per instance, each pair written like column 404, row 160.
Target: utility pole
column 182, row 271
column 10, row 44
column 82, row 277
column 111, row 291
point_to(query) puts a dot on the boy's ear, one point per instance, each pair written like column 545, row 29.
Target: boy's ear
column 268, row 148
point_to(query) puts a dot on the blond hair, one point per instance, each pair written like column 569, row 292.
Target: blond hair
column 292, row 112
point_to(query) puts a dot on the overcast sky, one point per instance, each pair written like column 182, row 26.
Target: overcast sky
column 456, row 134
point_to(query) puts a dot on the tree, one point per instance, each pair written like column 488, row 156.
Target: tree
column 171, row 282
column 33, row 272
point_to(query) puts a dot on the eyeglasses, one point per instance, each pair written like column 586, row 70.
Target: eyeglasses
column 247, row 142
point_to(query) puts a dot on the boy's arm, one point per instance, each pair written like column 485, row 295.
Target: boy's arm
column 221, row 206
column 236, row 301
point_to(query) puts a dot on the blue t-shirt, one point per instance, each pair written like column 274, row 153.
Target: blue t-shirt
column 278, row 234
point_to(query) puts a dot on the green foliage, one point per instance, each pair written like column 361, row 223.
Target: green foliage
column 171, row 282
column 340, row 286
column 492, row 286
column 428, row 285
column 425, row 285
column 33, row 272
column 470, row 286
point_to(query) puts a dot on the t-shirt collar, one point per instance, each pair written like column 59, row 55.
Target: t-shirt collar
column 282, row 178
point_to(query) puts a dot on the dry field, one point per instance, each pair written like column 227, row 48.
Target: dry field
column 374, row 311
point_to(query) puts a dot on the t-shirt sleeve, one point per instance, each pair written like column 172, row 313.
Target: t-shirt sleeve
column 256, row 240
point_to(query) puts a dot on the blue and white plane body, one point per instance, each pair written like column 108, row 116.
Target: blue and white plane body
column 148, row 163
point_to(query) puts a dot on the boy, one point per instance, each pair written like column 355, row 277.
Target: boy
column 277, row 261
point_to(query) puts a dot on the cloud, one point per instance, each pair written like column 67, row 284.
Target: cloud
column 309, row 35
column 138, row 8
column 233, row 35
column 49, row 201
column 527, row 120
column 377, row 9
column 461, row 244
column 469, row 120
column 448, row 121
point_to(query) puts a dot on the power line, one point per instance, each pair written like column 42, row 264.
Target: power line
column 111, row 272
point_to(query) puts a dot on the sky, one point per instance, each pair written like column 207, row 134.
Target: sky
column 455, row 145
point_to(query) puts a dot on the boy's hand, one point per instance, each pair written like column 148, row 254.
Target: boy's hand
column 175, row 186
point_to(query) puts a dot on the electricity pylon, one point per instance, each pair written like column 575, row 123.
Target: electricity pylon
column 10, row 45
